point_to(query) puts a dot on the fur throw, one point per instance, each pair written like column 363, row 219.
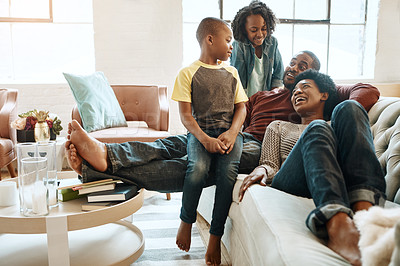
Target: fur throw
column 379, row 236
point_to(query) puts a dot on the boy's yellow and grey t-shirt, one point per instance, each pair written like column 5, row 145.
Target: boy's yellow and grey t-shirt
column 213, row 91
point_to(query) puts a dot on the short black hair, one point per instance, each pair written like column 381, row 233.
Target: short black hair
column 254, row 8
column 316, row 64
column 325, row 84
column 209, row 25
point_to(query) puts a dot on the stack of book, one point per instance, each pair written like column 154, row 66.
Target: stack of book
column 100, row 194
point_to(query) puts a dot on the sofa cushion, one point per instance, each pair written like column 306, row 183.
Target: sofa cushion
column 136, row 130
column 97, row 104
column 277, row 220
column 6, row 151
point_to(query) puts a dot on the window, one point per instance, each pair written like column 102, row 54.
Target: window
column 40, row 39
column 341, row 33
column 26, row 11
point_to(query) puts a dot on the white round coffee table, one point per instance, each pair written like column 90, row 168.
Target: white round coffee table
column 69, row 236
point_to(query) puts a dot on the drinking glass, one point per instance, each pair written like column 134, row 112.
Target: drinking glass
column 47, row 149
column 24, row 150
column 33, row 191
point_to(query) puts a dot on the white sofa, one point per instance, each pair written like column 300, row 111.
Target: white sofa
column 268, row 226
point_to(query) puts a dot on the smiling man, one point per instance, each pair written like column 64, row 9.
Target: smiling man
column 267, row 106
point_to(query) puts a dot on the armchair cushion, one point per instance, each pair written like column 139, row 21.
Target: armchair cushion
column 6, row 151
column 137, row 131
column 97, row 104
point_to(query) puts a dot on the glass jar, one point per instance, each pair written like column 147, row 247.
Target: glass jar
column 42, row 131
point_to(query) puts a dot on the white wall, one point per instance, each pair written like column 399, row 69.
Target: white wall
column 56, row 98
column 140, row 42
column 388, row 43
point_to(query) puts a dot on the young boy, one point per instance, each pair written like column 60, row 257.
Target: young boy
column 211, row 105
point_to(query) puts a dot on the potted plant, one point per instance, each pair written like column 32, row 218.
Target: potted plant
column 27, row 122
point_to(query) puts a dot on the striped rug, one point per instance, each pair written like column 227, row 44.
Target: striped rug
column 158, row 219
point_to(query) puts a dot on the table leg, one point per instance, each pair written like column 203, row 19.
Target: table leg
column 57, row 240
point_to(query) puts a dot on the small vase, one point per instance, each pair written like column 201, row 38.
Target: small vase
column 42, row 131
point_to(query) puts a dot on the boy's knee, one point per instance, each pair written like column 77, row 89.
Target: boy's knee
column 199, row 166
column 199, row 171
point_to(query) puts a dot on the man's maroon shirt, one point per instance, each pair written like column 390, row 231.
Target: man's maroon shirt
column 267, row 106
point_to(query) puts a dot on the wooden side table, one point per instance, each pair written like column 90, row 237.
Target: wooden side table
column 73, row 237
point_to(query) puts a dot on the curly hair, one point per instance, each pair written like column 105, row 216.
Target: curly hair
column 325, row 84
column 254, row 8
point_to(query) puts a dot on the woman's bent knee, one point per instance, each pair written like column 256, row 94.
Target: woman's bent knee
column 348, row 108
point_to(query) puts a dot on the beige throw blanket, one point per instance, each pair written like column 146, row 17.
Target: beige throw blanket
column 379, row 236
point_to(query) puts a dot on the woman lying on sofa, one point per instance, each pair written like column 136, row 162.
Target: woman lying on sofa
column 332, row 163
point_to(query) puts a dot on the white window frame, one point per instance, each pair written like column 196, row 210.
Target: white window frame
column 326, row 21
column 30, row 20
column 49, row 18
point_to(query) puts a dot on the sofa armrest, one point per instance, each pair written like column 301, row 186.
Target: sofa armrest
column 164, row 109
column 385, row 128
column 8, row 113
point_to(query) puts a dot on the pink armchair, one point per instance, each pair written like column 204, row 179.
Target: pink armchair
column 8, row 135
column 146, row 110
column 139, row 104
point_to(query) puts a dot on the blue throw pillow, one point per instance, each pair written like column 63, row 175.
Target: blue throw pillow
column 97, row 104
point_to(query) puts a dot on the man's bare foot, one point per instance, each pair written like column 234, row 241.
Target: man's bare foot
column 184, row 236
column 89, row 148
column 213, row 254
column 74, row 159
column 343, row 237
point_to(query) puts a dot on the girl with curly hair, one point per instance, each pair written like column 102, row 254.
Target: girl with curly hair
column 255, row 51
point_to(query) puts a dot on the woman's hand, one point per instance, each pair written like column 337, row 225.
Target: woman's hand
column 259, row 174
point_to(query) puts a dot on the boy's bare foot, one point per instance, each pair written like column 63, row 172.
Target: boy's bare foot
column 343, row 237
column 213, row 254
column 74, row 159
column 90, row 149
column 184, row 236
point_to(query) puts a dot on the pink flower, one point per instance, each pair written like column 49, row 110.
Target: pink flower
column 49, row 123
column 30, row 123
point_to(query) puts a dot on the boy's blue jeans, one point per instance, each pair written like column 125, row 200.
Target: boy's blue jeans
column 335, row 165
column 226, row 169
column 161, row 165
